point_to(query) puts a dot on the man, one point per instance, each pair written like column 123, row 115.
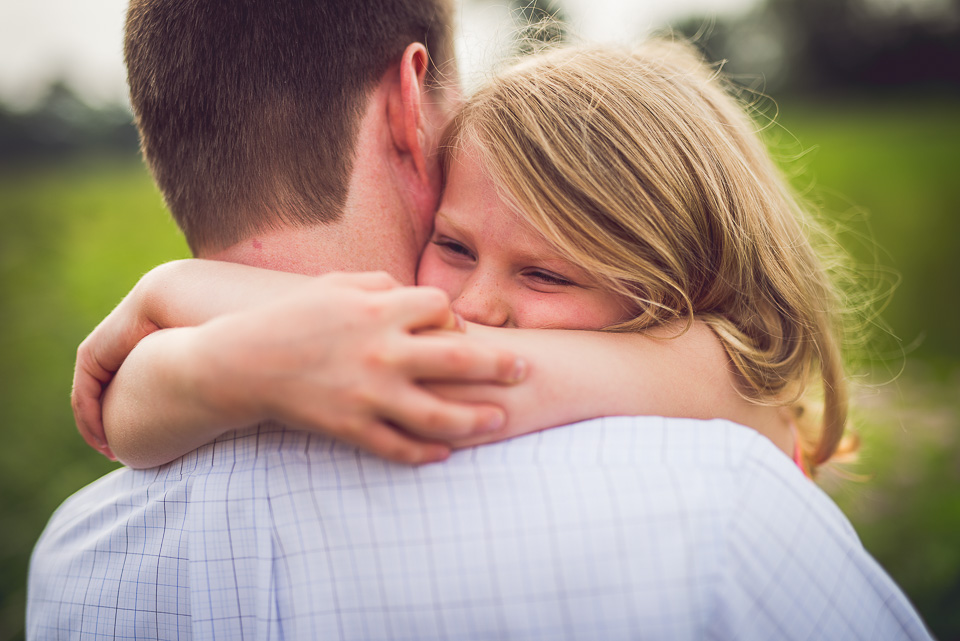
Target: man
column 615, row 528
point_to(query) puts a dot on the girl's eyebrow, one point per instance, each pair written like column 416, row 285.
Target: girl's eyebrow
column 446, row 219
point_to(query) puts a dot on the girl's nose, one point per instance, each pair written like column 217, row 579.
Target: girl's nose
column 481, row 301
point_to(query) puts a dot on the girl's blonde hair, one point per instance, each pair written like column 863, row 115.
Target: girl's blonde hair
column 639, row 165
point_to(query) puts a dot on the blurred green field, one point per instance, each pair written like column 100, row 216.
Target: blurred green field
column 887, row 171
column 74, row 237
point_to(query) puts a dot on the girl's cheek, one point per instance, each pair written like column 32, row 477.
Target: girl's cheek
column 575, row 312
column 425, row 269
column 537, row 310
column 434, row 272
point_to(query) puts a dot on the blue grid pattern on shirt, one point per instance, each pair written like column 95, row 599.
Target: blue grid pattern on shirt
column 620, row 528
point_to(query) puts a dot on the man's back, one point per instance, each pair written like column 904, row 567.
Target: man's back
column 613, row 528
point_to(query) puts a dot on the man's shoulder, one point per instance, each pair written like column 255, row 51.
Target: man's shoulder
column 686, row 453
column 117, row 555
column 646, row 463
column 644, row 510
column 590, row 529
column 113, row 558
column 619, row 441
column 663, row 461
column 649, row 440
column 615, row 524
column 712, row 472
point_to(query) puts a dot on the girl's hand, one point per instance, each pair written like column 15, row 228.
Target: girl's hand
column 98, row 358
column 346, row 356
column 176, row 294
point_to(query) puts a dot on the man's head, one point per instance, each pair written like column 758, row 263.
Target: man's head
column 249, row 110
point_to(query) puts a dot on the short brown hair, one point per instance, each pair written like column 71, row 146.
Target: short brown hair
column 248, row 110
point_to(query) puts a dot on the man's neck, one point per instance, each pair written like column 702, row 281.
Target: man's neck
column 318, row 249
column 383, row 226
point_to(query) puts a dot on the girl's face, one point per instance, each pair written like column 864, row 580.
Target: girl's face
column 498, row 270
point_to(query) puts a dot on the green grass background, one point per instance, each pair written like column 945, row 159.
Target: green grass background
column 76, row 235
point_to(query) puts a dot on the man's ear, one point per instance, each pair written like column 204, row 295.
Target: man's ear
column 407, row 122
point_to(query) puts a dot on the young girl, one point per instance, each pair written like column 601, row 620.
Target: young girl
column 624, row 189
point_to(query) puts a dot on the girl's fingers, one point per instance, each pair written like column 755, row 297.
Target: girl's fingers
column 455, row 358
column 421, row 308
column 427, row 416
column 370, row 281
column 85, row 402
column 86, row 412
column 388, row 442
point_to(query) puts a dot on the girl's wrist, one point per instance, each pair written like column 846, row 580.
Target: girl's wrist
column 219, row 379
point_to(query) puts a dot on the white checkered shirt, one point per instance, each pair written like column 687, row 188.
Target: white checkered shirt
column 616, row 528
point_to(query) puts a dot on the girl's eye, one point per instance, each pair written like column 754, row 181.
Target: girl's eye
column 549, row 278
column 453, row 247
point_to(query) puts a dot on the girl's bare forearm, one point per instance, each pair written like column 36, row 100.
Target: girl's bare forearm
column 578, row 375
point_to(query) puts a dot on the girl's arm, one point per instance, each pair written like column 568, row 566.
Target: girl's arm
column 182, row 388
column 285, row 360
column 577, row 375
column 180, row 293
column 342, row 351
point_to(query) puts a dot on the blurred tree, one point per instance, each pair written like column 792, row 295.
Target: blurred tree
column 837, row 46
column 63, row 124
